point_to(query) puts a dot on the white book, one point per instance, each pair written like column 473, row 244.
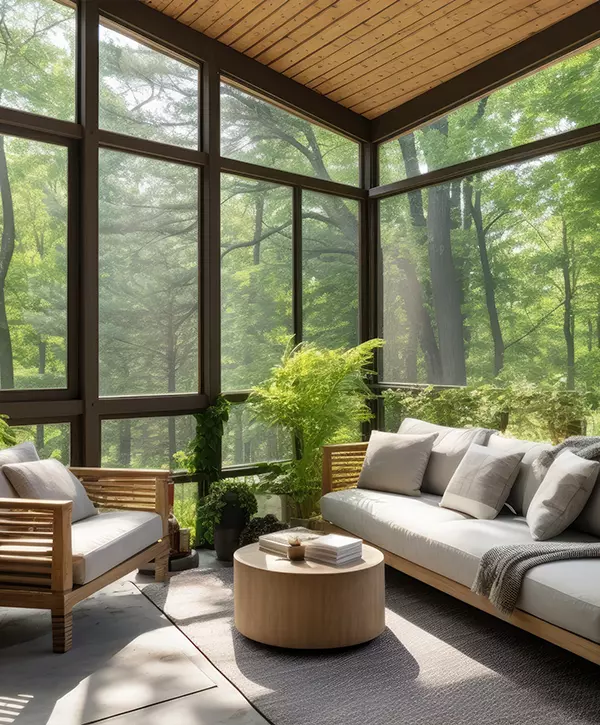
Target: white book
column 335, row 543
column 278, row 541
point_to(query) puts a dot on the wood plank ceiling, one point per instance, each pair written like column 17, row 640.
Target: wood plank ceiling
column 369, row 55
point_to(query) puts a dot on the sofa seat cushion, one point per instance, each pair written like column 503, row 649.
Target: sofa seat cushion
column 564, row 593
column 102, row 542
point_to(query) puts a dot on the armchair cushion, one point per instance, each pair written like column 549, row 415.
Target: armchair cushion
column 17, row 454
column 50, row 480
column 102, row 542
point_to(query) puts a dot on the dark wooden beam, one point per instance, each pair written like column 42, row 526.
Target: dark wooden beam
column 198, row 47
column 152, row 149
column 43, row 128
column 134, row 406
column 537, row 51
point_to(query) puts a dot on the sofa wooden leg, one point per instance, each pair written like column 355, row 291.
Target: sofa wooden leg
column 161, row 567
column 62, row 631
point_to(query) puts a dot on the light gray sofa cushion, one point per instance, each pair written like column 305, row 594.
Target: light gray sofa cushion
column 481, row 483
column 50, row 480
column 564, row 593
column 562, row 495
column 448, row 450
column 589, row 519
column 396, row 463
column 102, row 542
column 17, row 454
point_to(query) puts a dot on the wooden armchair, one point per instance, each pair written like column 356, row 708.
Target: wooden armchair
column 341, row 465
column 36, row 556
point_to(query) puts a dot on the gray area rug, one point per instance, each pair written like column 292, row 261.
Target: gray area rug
column 439, row 662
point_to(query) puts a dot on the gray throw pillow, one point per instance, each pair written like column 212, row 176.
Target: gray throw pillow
column 50, row 480
column 561, row 496
column 481, row 483
column 448, row 450
column 395, row 463
column 17, row 454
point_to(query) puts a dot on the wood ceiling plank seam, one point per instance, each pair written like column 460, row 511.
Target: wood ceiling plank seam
column 196, row 10
column 176, row 7
column 271, row 25
column 254, row 18
column 213, row 13
column 418, row 34
column 312, row 9
column 321, row 23
column 400, row 94
column 376, row 42
column 157, row 4
column 470, row 28
column 231, row 17
column 325, row 39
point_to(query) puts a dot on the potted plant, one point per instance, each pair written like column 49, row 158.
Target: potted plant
column 224, row 513
column 319, row 396
column 259, row 526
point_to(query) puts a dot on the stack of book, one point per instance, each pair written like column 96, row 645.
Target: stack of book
column 334, row 549
column 278, row 542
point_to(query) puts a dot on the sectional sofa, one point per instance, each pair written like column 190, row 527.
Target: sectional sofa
column 559, row 601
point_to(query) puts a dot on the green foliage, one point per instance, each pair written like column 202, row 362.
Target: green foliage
column 222, row 493
column 534, row 412
column 203, row 455
column 315, row 394
column 7, row 434
column 185, row 508
column 259, row 526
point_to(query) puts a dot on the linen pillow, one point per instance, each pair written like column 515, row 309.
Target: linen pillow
column 448, row 450
column 561, row 496
column 17, row 454
column 52, row 481
column 395, row 463
column 482, row 481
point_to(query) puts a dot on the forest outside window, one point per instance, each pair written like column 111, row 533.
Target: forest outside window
column 52, row 440
column 259, row 132
column 495, row 277
column 37, row 57
column 148, row 268
column 562, row 97
column 248, row 441
column 146, row 93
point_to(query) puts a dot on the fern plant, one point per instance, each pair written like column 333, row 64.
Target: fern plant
column 7, row 434
column 319, row 396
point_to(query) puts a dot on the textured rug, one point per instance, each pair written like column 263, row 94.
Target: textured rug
column 439, row 662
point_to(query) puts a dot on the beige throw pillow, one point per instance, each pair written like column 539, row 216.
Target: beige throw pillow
column 481, row 483
column 50, row 480
column 395, row 463
column 561, row 496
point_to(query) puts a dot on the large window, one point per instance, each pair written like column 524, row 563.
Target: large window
column 496, row 276
column 259, row 132
column 247, row 441
column 52, row 440
column 148, row 272
column 33, row 264
column 560, row 98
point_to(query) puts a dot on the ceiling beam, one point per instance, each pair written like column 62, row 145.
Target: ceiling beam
column 153, row 24
column 539, row 50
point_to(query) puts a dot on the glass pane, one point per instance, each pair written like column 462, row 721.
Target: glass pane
column 148, row 276
column 256, row 279
column 247, row 440
column 146, row 93
column 259, row 132
column 560, row 98
column 52, row 440
column 33, row 264
column 496, row 277
column 145, row 442
column 37, row 52
column 329, row 270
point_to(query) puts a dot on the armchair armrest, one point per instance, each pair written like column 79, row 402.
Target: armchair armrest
column 128, row 489
column 341, row 465
column 35, row 544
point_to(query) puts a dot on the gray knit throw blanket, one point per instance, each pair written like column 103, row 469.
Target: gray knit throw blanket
column 503, row 568
column 583, row 446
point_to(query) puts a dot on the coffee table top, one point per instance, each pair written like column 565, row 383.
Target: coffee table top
column 256, row 558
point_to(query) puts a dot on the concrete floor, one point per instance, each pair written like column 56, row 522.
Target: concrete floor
column 129, row 665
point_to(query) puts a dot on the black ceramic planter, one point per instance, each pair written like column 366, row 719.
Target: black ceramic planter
column 227, row 532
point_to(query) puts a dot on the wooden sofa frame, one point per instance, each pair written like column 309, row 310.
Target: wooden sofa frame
column 36, row 558
column 341, row 467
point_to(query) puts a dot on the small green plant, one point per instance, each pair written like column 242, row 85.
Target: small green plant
column 222, row 493
column 7, row 434
column 259, row 526
column 316, row 395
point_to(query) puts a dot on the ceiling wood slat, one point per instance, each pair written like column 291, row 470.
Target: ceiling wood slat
column 370, row 55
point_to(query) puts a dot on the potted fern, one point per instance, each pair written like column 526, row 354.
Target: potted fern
column 319, row 396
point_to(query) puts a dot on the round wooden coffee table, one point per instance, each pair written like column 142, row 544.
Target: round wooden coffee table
column 306, row 604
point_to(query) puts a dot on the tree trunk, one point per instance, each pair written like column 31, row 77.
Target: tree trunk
column 488, row 283
column 590, row 335
column 125, row 443
column 568, row 314
column 411, row 164
column 7, row 248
